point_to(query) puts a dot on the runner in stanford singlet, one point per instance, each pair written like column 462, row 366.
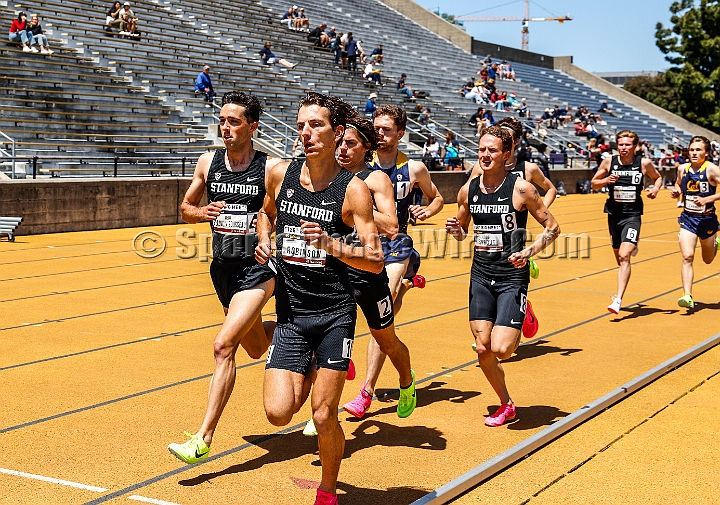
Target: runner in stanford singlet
column 497, row 203
column 308, row 204
column 697, row 182
column 624, row 176
column 235, row 179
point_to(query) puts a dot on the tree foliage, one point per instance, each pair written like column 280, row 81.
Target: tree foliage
column 655, row 89
column 692, row 46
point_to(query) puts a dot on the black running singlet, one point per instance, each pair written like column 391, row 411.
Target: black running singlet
column 625, row 196
column 518, row 169
column 310, row 281
column 499, row 231
column 357, row 276
column 234, row 237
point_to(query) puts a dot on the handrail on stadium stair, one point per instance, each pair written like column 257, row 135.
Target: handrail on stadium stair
column 5, row 154
column 8, row 225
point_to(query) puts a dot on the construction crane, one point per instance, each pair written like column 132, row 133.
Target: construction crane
column 524, row 19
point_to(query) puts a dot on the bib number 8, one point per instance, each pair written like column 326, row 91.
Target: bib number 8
column 509, row 222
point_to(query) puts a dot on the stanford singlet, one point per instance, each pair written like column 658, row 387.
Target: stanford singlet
column 310, row 281
column 696, row 185
column 518, row 169
column 400, row 178
column 499, row 231
column 234, row 237
column 625, row 196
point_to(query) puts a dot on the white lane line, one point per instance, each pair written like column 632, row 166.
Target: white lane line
column 53, row 480
column 150, row 500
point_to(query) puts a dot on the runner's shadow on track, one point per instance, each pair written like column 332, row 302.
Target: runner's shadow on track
column 702, row 306
column 641, row 311
column 367, row 496
column 529, row 418
column 537, row 349
column 427, row 395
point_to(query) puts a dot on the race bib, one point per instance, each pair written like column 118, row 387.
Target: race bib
column 691, row 206
column 486, row 241
column 624, row 193
column 234, row 219
column 297, row 252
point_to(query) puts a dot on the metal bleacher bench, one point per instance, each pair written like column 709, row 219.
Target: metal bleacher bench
column 8, row 225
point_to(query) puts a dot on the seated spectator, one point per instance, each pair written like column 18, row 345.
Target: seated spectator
column 431, row 153
column 300, row 19
column 127, row 15
column 542, row 160
column 425, row 119
column 288, row 18
column 489, row 117
column 113, row 19
column 372, row 74
column 467, row 87
column 490, row 86
column 361, row 52
column 493, row 72
column 483, row 73
column 370, row 105
column 203, row 85
column 37, row 33
column 605, row 109
column 591, row 130
column 548, row 119
column 522, row 108
column 509, row 72
column 18, row 33
column 405, row 89
column 502, row 101
column 377, row 54
column 487, row 60
column 561, row 115
column 477, row 93
column 513, row 102
column 269, row 58
column 318, row 37
column 580, row 125
column 478, row 121
column 331, row 33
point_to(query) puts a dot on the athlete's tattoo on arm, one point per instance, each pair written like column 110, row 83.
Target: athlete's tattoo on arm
column 536, row 195
column 549, row 235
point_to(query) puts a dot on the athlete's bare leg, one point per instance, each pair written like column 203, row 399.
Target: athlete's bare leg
column 285, row 392
column 494, row 344
column 688, row 242
column 391, row 346
column 405, row 285
column 622, row 256
column 242, row 325
column 331, row 439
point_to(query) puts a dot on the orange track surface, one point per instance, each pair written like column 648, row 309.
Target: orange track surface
column 106, row 358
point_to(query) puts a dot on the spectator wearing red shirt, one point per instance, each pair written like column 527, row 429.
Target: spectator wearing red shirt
column 18, row 33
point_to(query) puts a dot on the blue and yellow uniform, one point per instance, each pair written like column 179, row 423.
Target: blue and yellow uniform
column 700, row 220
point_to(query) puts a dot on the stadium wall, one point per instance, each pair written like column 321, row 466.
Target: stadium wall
column 499, row 52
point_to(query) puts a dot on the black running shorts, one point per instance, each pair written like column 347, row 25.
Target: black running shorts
column 503, row 303
column 624, row 229
column 229, row 279
column 372, row 294
column 329, row 337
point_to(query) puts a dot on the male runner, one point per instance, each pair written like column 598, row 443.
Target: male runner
column 309, row 203
column 405, row 174
column 697, row 181
column 623, row 175
column 235, row 178
column 498, row 203
column 530, row 172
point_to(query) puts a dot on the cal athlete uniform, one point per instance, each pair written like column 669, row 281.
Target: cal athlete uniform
column 371, row 290
column 234, row 267
column 700, row 220
column 498, row 290
column 624, row 205
column 315, row 308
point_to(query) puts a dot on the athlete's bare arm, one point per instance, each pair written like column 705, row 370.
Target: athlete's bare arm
column 190, row 209
column 421, row 175
column 266, row 217
column 601, row 177
column 385, row 214
column 536, row 176
column 458, row 226
column 357, row 211
column 649, row 169
column 676, row 190
column 713, row 175
column 526, row 196
column 269, row 164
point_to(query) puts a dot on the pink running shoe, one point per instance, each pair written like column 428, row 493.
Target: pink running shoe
column 359, row 405
column 351, row 371
column 418, row 281
column 506, row 412
column 325, row 498
column 530, row 325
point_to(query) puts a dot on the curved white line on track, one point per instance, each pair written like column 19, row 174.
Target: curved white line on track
column 53, row 480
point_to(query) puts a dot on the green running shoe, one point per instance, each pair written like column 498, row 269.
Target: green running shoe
column 686, row 301
column 310, row 430
column 717, row 241
column 534, row 269
column 191, row 451
column 408, row 399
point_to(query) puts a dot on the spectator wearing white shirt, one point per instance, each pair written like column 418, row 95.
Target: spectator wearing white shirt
column 127, row 15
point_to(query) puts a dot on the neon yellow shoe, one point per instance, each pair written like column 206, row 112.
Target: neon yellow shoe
column 310, row 430
column 191, row 451
column 717, row 241
column 686, row 301
column 408, row 399
column 534, row 269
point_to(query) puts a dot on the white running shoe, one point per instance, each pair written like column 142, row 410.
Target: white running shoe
column 614, row 307
column 26, row 49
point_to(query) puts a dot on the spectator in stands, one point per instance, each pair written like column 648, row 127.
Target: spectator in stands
column 580, row 125
column 483, row 73
column 404, row 88
column 502, row 102
column 351, row 49
column 331, row 33
column 591, row 130
column 336, row 46
column 431, row 153
column 478, row 121
column 487, row 60
column 548, row 119
column 489, row 117
column 18, row 33
column 377, row 54
column 467, row 87
column 318, row 37
column 523, row 150
column 372, row 74
column 288, row 18
column 541, row 160
column 127, row 15
column 452, row 153
column 301, row 20
column 113, row 19
column 425, row 119
column 508, row 72
column 513, row 102
column 605, row 109
column 370, row 105
column 269, row 58
column 493, row 72
column 298, row 150
column 203, row 84
column 39, row 37
column 522, row 109
column 490, row 87
column 361, row 52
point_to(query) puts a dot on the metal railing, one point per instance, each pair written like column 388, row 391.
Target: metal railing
column 116, row 160
column 3, row 152
column 287, row 139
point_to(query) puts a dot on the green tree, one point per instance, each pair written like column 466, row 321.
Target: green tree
column 692, row 46
column 656, row 90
